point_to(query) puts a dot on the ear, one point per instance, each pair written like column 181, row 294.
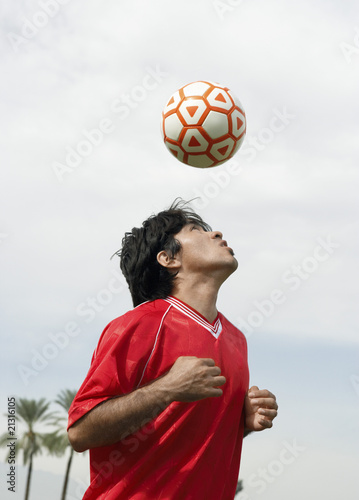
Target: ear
column 166, row 261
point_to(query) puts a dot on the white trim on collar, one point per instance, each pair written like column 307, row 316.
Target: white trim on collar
column 215, row 329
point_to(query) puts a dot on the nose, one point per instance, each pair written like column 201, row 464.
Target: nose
column 217, row 234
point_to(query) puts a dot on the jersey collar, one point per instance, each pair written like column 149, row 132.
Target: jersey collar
column 214, row 328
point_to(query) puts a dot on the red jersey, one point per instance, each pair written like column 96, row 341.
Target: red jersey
column 190, row 450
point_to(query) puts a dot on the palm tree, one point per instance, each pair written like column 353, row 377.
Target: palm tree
column 58, row 442
column 31, row 413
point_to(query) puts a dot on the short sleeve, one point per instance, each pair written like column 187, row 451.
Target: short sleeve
column 117, row 363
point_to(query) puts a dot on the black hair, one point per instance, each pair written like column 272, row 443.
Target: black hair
column 146, row 277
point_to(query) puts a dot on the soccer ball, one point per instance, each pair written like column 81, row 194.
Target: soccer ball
column 203, row 124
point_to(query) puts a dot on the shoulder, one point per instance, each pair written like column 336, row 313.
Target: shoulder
column 148, row 311
column 143, row 320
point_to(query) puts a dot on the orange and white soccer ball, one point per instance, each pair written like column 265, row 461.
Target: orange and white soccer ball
column 203, row 124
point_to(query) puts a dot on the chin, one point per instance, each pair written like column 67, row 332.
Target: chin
column 235, row 264
column 232, row 265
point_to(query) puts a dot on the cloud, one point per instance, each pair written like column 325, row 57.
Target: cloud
column 290, row 187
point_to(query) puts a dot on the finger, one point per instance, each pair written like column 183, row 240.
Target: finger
column 271, row 414
column 214, row 371
column 267, row 424
column 217, row 381
column 208, row 361
column 265, row 403
column 215, row 393
column 264, row 393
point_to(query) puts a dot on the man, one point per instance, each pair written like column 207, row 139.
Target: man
column 165, row 403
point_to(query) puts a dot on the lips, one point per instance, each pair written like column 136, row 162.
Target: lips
column 225, row 244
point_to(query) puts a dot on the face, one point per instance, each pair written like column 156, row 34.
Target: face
column 205, row 252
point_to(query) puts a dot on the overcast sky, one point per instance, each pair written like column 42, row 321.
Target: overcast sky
column 287, row 203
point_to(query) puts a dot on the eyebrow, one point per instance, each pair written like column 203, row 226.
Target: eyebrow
column 196, row 224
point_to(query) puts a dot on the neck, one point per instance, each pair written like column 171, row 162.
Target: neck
column 202, row 297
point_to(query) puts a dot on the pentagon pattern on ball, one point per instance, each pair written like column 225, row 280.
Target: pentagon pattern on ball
column 203, row 124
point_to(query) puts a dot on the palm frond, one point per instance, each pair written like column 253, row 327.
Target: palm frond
column 65, row 398
column 56, row 442
column 4, row 439
column 30, row 411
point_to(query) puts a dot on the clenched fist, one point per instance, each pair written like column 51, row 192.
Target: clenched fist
column 191, row 379
column 261, row 408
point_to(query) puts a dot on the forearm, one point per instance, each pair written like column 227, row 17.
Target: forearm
column 116, row 418
column 189, row 379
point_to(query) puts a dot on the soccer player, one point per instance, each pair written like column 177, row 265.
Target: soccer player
column 165, row 404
